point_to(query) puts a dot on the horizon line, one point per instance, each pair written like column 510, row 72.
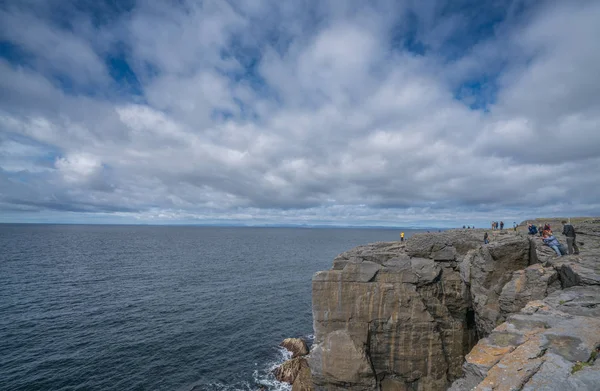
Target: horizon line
column 230, row 225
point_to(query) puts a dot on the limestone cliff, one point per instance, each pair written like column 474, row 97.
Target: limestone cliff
column 403, row 315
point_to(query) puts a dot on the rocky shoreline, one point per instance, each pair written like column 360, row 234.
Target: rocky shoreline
column 443, row 311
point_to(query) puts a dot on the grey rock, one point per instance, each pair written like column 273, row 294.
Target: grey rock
column 342, row 361
column 360, row 272
column 447, row 253
column 426, row 270
column 533, row 283
column 577, row 270
column 408, row 315
column 446, row 246
column 538, row 348
column 577, row 300
column 296, row 346
column 488, row 270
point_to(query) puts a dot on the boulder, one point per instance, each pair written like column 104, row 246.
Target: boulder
column 533, row 283
column 576, row 270
column 375, row 252
column 296, row 346
column 445, row 246
column 289, row 370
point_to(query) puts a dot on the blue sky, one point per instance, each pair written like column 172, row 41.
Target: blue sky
column 393, row 113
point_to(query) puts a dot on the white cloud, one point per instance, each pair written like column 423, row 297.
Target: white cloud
column 284, row 114
column 78, row 167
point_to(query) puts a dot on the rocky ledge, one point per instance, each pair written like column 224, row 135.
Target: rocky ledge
column 443, row 310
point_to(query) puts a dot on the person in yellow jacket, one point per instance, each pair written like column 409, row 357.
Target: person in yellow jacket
column 402, row 236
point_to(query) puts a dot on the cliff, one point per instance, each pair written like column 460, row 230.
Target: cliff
column 442, row 308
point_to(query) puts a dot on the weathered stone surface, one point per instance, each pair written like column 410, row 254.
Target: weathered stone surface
column 303, row 381
column 375, row 252
column 487, row 269
column 410, row 312
column 289, row 370
column 403, row 315
column 391, row 384
column 296, row 346
column 577, row 269
column 533, row 283
column 447, row 246
column 341, row 361
column 538, row 348
column 578, row 300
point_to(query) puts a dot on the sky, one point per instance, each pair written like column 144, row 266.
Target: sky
column 310, row 112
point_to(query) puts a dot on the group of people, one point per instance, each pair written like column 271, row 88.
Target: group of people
column 547, row 236
column 551, row 241
column 495, row 225
column 500, row 225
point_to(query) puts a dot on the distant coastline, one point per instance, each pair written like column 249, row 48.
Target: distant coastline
column 316, row 226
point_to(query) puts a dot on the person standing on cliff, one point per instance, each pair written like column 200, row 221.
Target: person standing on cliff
column 569, row 232
column 501, row 225
column 402, row 236
column 486, row 239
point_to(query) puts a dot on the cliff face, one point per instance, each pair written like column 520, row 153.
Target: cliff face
column 403, row 316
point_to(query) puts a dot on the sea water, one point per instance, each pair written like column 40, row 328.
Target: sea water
column 91, row 307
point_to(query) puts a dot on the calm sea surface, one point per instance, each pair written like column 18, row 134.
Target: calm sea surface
column 157, row 308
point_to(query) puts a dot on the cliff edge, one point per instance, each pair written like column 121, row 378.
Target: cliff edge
column 443, row 310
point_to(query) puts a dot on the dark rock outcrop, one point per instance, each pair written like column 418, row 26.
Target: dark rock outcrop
column 486, row 271
column 295, row 371
column 296, row 346
column 399, row 316
column 289, row 370
column 403, row 315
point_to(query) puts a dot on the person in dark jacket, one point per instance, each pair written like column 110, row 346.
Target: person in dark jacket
column 486, row 238
column 569, row 232
column 532, row 229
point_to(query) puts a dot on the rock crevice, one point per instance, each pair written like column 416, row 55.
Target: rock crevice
column 407, row 315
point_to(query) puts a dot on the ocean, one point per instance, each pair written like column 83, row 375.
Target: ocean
column 94, row 307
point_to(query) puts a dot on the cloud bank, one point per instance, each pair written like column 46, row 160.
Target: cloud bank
column 319, row 112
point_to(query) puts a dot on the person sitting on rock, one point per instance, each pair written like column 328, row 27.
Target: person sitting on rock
column 552, row 242
column 532, row 229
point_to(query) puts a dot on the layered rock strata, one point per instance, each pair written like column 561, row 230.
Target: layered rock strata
column 403, row 315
